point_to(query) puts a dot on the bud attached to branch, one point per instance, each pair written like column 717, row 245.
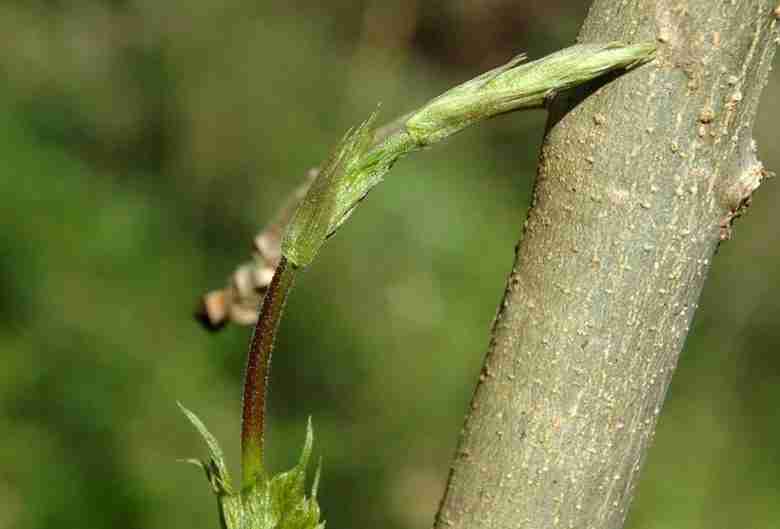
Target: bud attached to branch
column 363, row 157
column 361, row 160
column 516, row 86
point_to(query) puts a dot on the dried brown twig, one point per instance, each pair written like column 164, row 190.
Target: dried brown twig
column 237, row 302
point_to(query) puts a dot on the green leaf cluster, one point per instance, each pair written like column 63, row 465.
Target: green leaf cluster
column 272, row 501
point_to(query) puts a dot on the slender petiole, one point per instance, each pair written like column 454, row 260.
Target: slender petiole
column 258, row 366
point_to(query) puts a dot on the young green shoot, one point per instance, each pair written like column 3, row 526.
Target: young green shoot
column 356, row 165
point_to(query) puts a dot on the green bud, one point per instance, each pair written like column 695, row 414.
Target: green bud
column 364, row 156
column 515, row 87
column 310, row 225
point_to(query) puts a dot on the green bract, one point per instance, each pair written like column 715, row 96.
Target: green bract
column 311, row 223
column 272, row 502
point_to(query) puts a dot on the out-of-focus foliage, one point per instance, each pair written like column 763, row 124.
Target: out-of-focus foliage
column 142, row 144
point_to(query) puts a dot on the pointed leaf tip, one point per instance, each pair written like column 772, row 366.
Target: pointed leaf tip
column 216, row 464
column 307, row 445
column 316, row 483
column 192, row 461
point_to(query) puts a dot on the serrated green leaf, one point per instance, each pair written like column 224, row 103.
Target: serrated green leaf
column 278, row 502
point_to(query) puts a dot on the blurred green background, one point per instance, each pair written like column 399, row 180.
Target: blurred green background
column 143, row 142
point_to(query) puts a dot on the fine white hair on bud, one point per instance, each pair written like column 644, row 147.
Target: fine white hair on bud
column 516, row 86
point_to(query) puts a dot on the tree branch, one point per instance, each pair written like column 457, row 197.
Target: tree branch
column 637, row 185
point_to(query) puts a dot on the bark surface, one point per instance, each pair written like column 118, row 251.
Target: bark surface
column 637, row 185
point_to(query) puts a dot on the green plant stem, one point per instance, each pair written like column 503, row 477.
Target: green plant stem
column 258, row 366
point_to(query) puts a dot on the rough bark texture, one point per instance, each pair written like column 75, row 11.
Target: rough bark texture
column 637, row 185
